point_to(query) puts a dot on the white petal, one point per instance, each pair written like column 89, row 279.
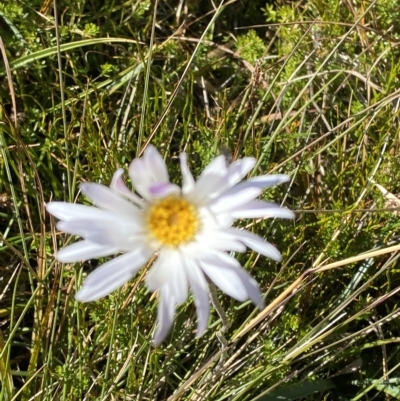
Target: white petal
column 257, row 208
column 225, row 278
column 264, row 181
column 148, row 171
column 261, row 182
column 216, row 167
column 245, row 191
column 234, row 198
column 252, row 288
column 118, row 185
column 159, row 273
column 123, row 235
column 224, row 220
column 191, row 250
column 108, row 199
column 168, row 269
column 188, row 183
column 88, row 229
column 256, row 243
column 155, row 164
column 199, row 287
column 248, row 282
column 72, row 211
column 210, row 180
column 218, row 178
column 165, row 315
column 236, row 171
column 239, row 169
column 112, row 275
column 178, row 281
column 83, row 250
column 220, row 240
column 180, row 287
column 90, row 294
column 140, row 178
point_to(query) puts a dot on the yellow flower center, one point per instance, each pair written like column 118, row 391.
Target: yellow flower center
column 173, row 221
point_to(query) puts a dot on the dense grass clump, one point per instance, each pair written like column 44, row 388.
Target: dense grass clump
column 309, row 88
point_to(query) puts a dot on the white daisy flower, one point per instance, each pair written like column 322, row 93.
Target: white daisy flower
column 189, row 229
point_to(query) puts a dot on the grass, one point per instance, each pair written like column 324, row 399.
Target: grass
column 310, row 89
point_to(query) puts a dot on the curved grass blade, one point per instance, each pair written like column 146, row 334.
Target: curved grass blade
column 51, row 51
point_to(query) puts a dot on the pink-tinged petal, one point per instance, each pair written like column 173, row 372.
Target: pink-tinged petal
column 257, row 208
column 224, row 277
column 251, row 286
column 72, row 211
column 163, row 190
column 118, row 185
column 233, row 198
column 256, row 243
column 165, row 315
column 188, row 183
column 112, row 275
column 107, row 199
column 148, row 171
column 199, row 287
column 84, row 250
